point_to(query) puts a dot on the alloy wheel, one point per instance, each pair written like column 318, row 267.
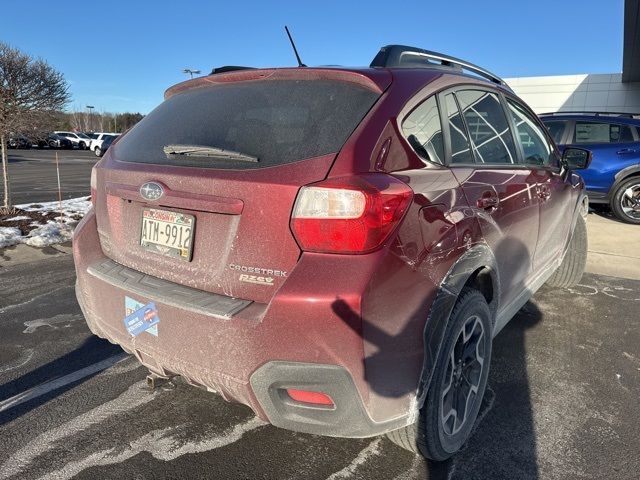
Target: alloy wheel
column 463, row 376
column 630, row 201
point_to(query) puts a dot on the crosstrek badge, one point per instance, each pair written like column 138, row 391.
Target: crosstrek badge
column 140, row 317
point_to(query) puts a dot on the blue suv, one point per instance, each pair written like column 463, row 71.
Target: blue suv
column 614, row 139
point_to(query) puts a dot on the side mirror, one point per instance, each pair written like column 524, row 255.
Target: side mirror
column 576, row 158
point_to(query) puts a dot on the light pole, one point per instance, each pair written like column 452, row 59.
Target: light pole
column 90, row 108
column 190, row 71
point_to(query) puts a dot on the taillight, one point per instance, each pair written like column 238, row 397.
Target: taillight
column 349, row 214
column 94, row 183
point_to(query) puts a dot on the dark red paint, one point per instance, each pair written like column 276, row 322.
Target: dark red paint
column 363, row 312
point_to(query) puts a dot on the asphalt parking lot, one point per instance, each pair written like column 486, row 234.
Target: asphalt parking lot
column 562, row 400
column 34, row 179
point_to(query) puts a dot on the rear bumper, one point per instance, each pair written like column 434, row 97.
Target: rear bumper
column 246, row 351
column 348, row 418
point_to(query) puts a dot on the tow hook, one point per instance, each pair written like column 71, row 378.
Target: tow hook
column 154, row 381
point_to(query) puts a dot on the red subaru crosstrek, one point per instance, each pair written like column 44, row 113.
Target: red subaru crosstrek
column 333, row 247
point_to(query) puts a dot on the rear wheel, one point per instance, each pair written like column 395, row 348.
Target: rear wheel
column 571, row 269
column 98, row 151
column 625, row 202
column 458, row 384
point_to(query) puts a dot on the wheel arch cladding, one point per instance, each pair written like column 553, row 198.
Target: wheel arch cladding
column 476, row 267
column 622, row 175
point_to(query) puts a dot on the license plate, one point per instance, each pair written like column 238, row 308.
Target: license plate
column 167, row 233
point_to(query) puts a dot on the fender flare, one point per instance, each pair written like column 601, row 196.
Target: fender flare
column 479, row 256
column 621, row 176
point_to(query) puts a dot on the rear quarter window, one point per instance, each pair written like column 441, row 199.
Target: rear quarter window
column 556, row 129
column 277, row 121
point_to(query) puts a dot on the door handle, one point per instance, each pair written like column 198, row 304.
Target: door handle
column 488, row 201
column 625, row 150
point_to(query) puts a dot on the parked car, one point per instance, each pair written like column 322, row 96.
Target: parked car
column 79, row 139
column 104, row 145
column 333, row 247
column 58, row 141
column 98, row 138
column 18, row 141
column 614, row 175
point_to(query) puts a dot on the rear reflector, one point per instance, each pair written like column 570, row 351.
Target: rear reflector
column 314, row 398
column 349, row 214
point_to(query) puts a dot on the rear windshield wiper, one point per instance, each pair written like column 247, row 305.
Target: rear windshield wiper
column 210, row 152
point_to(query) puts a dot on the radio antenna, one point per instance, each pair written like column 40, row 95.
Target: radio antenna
column 295, row 50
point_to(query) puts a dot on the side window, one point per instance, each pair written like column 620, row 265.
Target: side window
column 488, row 127
column 424, row 132
column 595, row 132
column 556, row 129
column 531, row 136
column 460, row 147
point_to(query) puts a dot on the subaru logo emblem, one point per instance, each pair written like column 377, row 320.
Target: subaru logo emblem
column 151, row 191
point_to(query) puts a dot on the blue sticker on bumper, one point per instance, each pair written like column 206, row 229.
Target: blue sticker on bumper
column 140, row 317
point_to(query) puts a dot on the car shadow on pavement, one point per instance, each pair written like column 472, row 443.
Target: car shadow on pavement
column 604, row 211
column 503, row 442
column 91, row 351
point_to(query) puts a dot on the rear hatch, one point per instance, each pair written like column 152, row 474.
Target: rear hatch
column 228, row 154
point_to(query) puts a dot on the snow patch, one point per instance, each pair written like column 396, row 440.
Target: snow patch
column 9, row 236
column 47, row 232
column 80, row 205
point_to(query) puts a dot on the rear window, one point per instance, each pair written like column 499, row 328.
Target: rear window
column 277, row 122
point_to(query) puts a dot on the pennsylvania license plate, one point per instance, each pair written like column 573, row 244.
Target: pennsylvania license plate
column 167, row 233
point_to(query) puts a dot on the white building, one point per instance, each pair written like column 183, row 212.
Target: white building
column 616, row 92
column 581, row 93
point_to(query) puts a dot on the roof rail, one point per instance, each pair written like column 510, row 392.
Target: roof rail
column 412, row 57
column 229, row 68
column 595, row 114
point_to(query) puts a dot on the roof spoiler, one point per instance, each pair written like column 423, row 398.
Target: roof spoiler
column 229, row 68
column 402, row 56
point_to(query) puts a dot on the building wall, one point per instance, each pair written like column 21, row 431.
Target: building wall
column 588, row 92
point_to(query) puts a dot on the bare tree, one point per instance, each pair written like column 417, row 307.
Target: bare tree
column 30, row 93
column 79, row 121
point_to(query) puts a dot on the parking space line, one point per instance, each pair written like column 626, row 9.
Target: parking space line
column 34, row 298
column 370, row 451
column 161, row 444
column 47, row 387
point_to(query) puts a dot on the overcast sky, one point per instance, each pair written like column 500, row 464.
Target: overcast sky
column 122, row 55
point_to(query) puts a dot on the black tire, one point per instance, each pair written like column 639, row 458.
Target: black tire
column 97, row 151
column 626, row 197
column 571, row 269
column 429, row 436
column 82, row 146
